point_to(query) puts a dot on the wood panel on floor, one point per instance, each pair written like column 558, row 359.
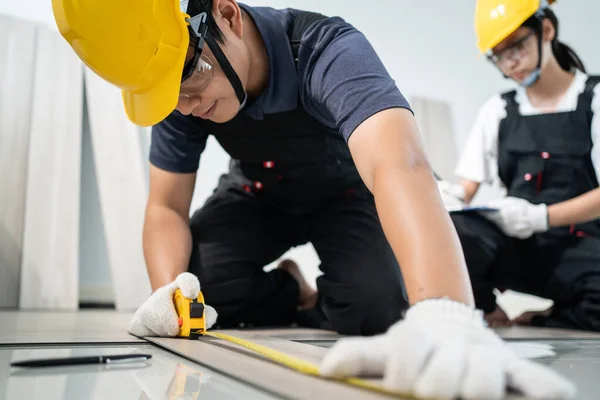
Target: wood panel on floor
column 514, row 332
column 533, row 333
column 282, row 381
column 17, row 47
column 50, row 263
column 295, row 334
column 122, row 190
column 45, row 327
column 306, row 352
column 246, row 366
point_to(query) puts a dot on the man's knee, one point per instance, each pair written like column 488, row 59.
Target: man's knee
column 263, row 299
column 482, row 242
column 365, row 310
column 586, row 314
column 573, row 318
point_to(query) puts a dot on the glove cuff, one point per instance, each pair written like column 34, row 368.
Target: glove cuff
column 455, row 190
column 445, row 308
column 541, row 218
column 459, row 192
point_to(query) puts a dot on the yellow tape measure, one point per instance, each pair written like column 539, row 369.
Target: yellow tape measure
column 300, row 365
column 191, row 320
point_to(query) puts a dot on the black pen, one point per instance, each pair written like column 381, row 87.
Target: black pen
column 108, row 359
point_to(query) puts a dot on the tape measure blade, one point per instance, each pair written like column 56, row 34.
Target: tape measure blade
column 303, row 366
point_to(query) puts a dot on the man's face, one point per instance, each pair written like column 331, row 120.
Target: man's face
column 208, row 94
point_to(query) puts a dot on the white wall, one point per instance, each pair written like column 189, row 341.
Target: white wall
column 95, row 283
column 429, row 49
column 428, row 46
column 34, row 10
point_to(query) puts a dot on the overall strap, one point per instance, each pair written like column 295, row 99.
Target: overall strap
column 584, row 101
column 591, row 83
column 511, row 102
column 302, row 22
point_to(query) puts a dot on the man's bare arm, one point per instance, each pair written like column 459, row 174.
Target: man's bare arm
column 389, row 156
column 167, row 237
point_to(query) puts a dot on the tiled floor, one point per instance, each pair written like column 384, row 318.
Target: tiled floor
column 46, row 327
column 219, row 370
column 577, row 359
column 165, row 376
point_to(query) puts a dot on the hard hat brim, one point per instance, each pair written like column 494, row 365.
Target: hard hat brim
column 150, row 107
column 502, row 35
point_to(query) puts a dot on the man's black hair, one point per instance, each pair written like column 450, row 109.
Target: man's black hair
column 198, row 6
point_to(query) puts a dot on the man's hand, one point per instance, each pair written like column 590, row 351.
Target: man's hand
column 526, row 317
column 498, row 317
column 442, row 349
column 157, row 316
column 519, row 218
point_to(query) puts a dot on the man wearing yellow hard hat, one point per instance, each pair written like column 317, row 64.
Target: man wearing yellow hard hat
column 539, row 142
column 324, row 150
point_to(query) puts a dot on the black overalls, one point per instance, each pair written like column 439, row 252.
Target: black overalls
column 542, row 159
column 293, row 181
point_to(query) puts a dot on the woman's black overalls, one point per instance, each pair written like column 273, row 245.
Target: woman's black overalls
column 293, row 181
column 543, row 159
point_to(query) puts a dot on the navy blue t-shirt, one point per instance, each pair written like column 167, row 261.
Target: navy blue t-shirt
column 340, row 82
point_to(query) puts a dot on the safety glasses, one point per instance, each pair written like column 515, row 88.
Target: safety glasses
column 514, row 52
column 198, row 77
column 198, row 71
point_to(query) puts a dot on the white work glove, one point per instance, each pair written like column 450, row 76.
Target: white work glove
column 453, row 195
column 443, row 350
column 157, row 316
column 518, row 218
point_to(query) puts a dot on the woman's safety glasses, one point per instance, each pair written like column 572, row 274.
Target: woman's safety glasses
column 514, row 52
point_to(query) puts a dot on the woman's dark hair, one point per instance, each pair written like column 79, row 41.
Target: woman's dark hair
column 566, row 56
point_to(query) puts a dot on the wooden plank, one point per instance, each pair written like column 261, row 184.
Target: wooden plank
column 50, row 263
column 310, row 353
column 295, row 334
column 121, row 185
column 17, row 47
column 247, row 366
column 50, row 327
column 241, row 364
column 532, row 333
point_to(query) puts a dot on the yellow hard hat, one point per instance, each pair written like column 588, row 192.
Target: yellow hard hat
column 137, row 45
column 495, row 20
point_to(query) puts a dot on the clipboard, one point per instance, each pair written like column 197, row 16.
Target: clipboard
column 472, row 209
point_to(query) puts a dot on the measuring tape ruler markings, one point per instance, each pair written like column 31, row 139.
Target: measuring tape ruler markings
column 192, row 323
column 302, row 366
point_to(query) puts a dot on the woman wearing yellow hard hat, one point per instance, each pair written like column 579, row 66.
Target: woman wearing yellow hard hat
column 539, row 142
column 319, row 134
